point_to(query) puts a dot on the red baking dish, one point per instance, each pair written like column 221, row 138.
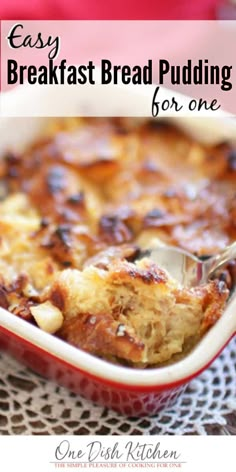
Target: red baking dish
column 132, row 392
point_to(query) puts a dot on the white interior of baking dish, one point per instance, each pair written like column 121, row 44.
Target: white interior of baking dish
column 17, row 133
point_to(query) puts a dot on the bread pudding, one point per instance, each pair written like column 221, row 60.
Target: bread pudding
column 77, row 210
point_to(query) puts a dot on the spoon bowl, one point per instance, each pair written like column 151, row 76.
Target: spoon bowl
column 187, row 269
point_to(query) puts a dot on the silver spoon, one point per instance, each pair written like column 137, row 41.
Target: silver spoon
column 187, row 269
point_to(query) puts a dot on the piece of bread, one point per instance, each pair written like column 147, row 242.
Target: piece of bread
column 133, row 311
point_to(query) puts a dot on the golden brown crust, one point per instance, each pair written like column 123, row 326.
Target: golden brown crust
column 157, row 318
column 89, row 197
column 102, row 335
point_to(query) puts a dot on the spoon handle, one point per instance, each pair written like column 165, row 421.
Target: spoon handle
column 220, row 259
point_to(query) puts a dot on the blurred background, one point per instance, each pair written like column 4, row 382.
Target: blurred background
column 124, row 9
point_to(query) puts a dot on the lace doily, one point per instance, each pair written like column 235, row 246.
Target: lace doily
column 30, row 404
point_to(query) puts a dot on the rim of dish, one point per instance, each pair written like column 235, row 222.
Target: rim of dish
column 201, row 355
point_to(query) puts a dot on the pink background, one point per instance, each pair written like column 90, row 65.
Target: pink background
column 133, row 42
column 108, row 9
